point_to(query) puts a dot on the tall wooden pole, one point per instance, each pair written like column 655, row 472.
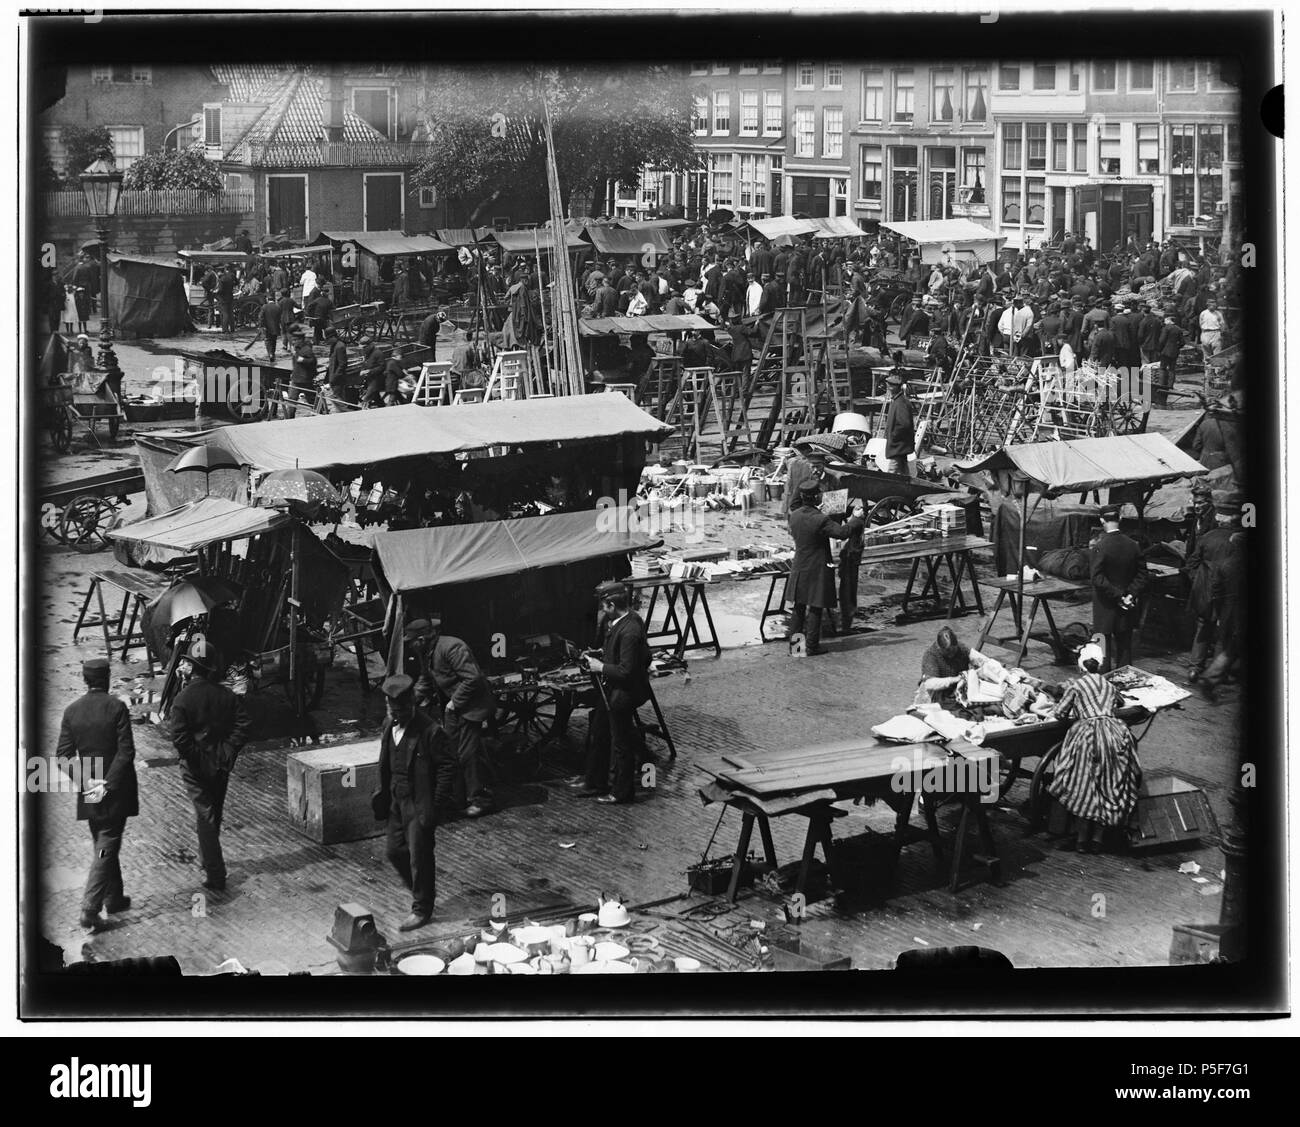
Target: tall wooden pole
column 568, row 357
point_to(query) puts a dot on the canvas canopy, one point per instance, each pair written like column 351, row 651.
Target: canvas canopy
column 838, row 227
column 460, row 553
column 296, row 252
column 146, row 296
column 933, row 234
column 462, row 236
column 388, row 244
column 1085, row 464
column 519, row 241
column 659, row 323
column 655, row 224
column 783, row 225
column 614, row 240
column 210, row 520
column 365, row 438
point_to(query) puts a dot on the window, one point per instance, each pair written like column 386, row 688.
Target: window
column 773, row 114
column 1103, row 77
column 749, row 113
column 1036, row 146
column 428, row 197
column 700, row 116
column 1141, row 76
column 834, row 76
column 833, row 131
column 1060, row 146
column 721, row 68
column 721, row 171
column 374, row 105
column 873, row 94
column 902, row 184
column 1044, row 76
column 1108, row 149
column 1182, row 200
column 771, row 66
column 748, row 66
column 804, row 130
column 803, row 79
column 1182, row 149
column 1182, row 77
column 142, row 76
column 1196, row 171
column 1080, row 132
column 977, row 86
column 1011, row 200
column 1035, row 202
column 1209, row 149
column 1076, row 76
column 941, row 89
column 941, row 182
column 753, row 181
column 212, row 128
column 1234, row 143
column 722, row 111
column 122, row 75
column 101, row 74
column 55, row 150
column 839, row 195
column 1011, row 146
column 1148, row 149
column 128, row 144
column 1222, row 74
column 871, row 173
column 904, row 95
column 1008, row 76
column 700, row 67
column 972, row 173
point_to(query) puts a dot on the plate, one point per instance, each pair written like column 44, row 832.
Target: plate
column 608, row 952
column 506, row 953
column 604, row 968
column 421, row 964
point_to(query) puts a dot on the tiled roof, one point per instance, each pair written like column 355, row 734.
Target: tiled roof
column 290, row 132
column 248, row 82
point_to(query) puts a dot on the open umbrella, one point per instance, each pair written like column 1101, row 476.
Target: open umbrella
column 202, row 459
column 192, row 597
column 307, row 487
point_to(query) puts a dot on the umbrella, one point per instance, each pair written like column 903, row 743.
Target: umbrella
column 305, row 486
column 202, row 459
column 192, row 597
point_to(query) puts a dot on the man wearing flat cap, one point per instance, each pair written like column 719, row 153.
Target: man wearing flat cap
column 624, row 671
column 811, row 585
column 417, row 770
column 450, row 686
column 209, row 728
column 96, row 729
column 1119, row 578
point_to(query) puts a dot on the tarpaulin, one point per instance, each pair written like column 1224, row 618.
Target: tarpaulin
column 164, row 490
column 364, row 438
column 462, row 553
column 615, row 240
column 838, row 227
column 296, row 252
column 388, row 244
column 656, row 224
column 1085, row 464
column 783, row 225
column 518, row 242
column 210, row 520
column 458, row 236
column 965, row 237
column 658, row 323
column 146, row 296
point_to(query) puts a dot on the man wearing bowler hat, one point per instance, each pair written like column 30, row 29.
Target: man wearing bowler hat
column 416, row 773
column 209, row 728
column 1204, row 560
column 900, row 430
column 97, row 729
column 624, row 672
column 1119, row 577
column 811, row 586
column 450, row 686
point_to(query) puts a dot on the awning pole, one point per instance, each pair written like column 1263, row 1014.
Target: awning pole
column 1021, row 483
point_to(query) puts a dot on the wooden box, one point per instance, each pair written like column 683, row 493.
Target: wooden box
column 1196, row 943
column 1170, row 810
column 329, row 789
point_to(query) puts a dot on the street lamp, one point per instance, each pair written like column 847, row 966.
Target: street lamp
column 101, row 184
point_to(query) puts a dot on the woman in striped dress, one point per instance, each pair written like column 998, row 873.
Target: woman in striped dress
column 1097, row 771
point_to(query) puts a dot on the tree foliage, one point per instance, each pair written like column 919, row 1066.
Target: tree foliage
column 170, row 169
column 82, row 146
column 608, row 123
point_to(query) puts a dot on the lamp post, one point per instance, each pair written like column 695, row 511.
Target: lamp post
column 101, row 184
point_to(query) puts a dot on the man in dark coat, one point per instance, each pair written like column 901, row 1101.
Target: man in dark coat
column 336, row 369
column 288, row 314
column 372, row 371
column 1119, row 577
column 322, row 312
column 605, row 299
column 695, row 353
column 209, row 728
column 761, row 260
column 1102, row 350
column 811, row 585
column 393, row 375
column 1211, row 549
column 742, row 351
column 417, row 770
column 1148, row 333
column 450, row 686
column 773, row 296
column 271, row 323
column 1170, row 345
column 624, row 672
column 915, row 320
column 96, row 729
column 1228, row 593
column 429, row 333
column 1125, row 327
column 900, row 429
column 226, row 299
column 302, row 380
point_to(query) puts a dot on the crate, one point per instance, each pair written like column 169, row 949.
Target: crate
column 1170, row 811
column 712, row 878
column 791, row 951
column 1196, row 943
column 328, row 792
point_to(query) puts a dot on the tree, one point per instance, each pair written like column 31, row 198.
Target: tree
column 488, row 139
column 188, row 168
column 82, row 146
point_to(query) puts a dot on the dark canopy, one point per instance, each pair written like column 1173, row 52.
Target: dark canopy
column 146, row 296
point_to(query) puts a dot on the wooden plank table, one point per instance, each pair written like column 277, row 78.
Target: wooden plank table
column 137, row 591
column 1038, row 592
column 933, row 553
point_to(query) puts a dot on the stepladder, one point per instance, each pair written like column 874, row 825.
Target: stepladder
column 510, row 372
column 728, row 394
column 434, row 385
column 689, row 409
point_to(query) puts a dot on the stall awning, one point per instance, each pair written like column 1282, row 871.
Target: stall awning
column 656, row 224
column 520, row 241
column 460, row 553
column 838, row 227
column 388, row 244
column 297, row 252
column 458, row 236
column 780, row 225
column 367, row 438
column 615, row 240
column 944, row 231
column 659, row 323
column 210, row 520
column 1084, row 464
column 216, row 255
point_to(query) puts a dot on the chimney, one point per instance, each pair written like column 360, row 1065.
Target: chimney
column 333, row 104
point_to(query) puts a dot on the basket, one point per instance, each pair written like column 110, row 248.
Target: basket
column 145, row 411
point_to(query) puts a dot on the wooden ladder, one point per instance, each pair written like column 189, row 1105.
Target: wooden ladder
column 509, row 371
column 433, row 385
column 727, row 393
column 793, row 413
column 660, row 383
column 691, row 408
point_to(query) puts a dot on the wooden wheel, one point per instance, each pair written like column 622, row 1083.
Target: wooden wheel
column 888, row 510
column 247, row 404
column 86, row 520
column 898, row 307
column 1125, row 418
column 526, row 720
column 50, row 521
column 1038, row 795
column 61, row 431
column 1008, row 773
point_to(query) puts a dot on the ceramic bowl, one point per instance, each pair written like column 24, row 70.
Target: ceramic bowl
column 608, row 952
column 462, row 965
column 421, row 964
column 506, row 953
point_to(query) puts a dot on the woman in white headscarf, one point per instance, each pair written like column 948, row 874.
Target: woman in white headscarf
column 1097, row 770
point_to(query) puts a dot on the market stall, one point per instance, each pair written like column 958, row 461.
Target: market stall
column 949, row 241
column 145, row 296
column 372, row 256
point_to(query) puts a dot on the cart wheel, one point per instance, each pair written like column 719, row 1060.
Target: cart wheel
column 61, row 433
column 247, row 405
column 85, row 521
column 51, row 519
column 898, row 307
column 1008, row 774
column 527, row 721
column 1125, row 418
column 114, row 422
column 1038, row 795
column 888, row 510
